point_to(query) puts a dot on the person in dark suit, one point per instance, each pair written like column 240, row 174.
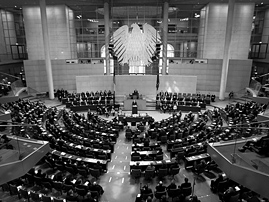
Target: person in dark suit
column 172, row 185
column 186, row 183
column 40, row 174
column 146, row 190
column 96, row 187
column 214, row 183
column 98, row 166
column 71, row 196
column 160, row 187
column 88, row 198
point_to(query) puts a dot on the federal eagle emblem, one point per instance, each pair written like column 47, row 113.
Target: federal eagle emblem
column 135, row 46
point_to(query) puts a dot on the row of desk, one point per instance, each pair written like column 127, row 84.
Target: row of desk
column 90, row 161
column 189, row 162
column 138, row 118
column 144, row 164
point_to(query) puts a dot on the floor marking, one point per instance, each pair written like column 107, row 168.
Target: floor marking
column 118, row 173
column 184, row 175
column 113, row 166
column 127, row 147
column 110, row 179
column 126, row 157
column 120, row 161
column 116, row 157
column 124, row 167
column 118, row 147
column 166, row 155
column 122, row 181
column 122, row 152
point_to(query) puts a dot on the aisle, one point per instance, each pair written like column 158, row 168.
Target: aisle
column 116, row 182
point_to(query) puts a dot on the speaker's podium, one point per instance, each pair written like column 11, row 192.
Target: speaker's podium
column 134, row 107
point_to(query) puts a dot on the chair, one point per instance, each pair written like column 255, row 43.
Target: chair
column 163, row 139
column 5, row 187
column 24, row 194
column 14, row 190
column 34, row 196
column 222, row 186
column 47, row 185
column 135, row 158
column 234, row 198
column 145, row 196
column 58, row 200
column 67, row 187
column 102, row 156
column 58, row 186
column 174, row 171
column 95, row 173
column 186, row 191
column 153, row 135
column 46, row 198
column 173, row 193
column 159, row 157
column 83, row 172
column 128, row 135
column 81, row 192
column 95, row 194
column 38, row 180
column 149, row 174
column 162, row 173
column 70, row 170
column 159, row 195
column 136, row 173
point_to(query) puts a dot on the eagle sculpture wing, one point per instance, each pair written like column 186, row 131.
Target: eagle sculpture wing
column 135, row 47
column 120, row 41
column 149, row 40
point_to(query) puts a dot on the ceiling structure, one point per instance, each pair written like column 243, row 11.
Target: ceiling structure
column 147, row 8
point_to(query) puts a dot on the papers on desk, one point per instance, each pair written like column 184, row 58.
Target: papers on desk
column 63, row 153
column 86, row 183
column 74, row 181
column 70, row 157
column 79, row 159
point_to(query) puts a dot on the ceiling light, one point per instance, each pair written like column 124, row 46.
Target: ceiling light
column 261, row 3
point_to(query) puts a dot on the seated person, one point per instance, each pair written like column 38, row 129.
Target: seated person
column 98, row 166
column 151, row 167
column 96, row 187
column 227, row 194
column 71, row 196
column 146, row 190
column 88, row 198
column 186, row 183
column 172, row 185
column 214, row 183
column 160, row 187
column 148, row 158
column 200, row 167
column 194, row 198
column 136, row 166
column 253, row 142
column 175, row 165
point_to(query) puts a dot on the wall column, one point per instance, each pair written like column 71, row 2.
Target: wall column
column 107, row 36
column 165, row 32
column 226, row 52
column 45, row 33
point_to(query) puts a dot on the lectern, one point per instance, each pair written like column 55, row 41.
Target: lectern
column 134, row 107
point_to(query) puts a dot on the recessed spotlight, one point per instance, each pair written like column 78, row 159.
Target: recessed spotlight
column 261, row 3
column 15, row 6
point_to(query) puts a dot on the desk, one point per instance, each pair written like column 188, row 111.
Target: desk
column 175, row 151
column 141, row 146
column 144, row 164
column 188, row 108
column 78, row 158
column 136, row 118
column 189, row 161
column 82, row 147
column 141, row 104
column 146, row 153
